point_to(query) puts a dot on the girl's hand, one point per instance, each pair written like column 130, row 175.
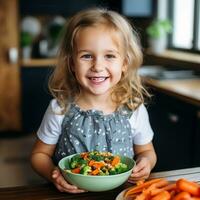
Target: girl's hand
column 141, row 171
column 62, row 185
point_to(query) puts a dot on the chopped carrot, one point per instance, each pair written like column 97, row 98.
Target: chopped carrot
column 162, row 189
column 155, row 188
column 91, row 162
column 161, row 183
column 168, row 187
column 142, row 196
column 182, row 196
column 171, row 186
column 156, row 191
column 98, row 164
column 188, row 186
column 115, row 161
column 84, row 155
column 95, row 172
column 164, row 195
column 172, row 193
column 139, row 188
column 76, row 170
column 140, row 182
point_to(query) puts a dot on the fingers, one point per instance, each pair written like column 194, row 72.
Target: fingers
column 140, row 164
column 62, row 185
column 140, row 171
column 69, row 189
column 135, row 178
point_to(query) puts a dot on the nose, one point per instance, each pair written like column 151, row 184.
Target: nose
column 97, row 65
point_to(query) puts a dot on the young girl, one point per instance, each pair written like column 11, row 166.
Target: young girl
column 98, row 101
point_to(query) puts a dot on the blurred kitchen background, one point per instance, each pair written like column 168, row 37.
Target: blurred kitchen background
column 30, row 32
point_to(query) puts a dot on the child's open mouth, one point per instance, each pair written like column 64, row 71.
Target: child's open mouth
column 98, row 79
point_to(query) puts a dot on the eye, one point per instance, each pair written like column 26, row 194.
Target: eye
column 86, row 56
column 110, row 56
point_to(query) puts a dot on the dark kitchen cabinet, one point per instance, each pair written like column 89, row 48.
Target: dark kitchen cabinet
column 176, row 130
column 35, row 96
column 197, row 141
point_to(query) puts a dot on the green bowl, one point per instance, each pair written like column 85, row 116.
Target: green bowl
column 96, row 183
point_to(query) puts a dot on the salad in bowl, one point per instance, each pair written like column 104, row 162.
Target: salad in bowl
column 96, row 171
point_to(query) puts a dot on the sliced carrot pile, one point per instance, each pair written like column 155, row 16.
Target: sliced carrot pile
column 141, row 187
column 162, row 189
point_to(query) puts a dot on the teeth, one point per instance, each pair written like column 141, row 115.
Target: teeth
column 98, row 79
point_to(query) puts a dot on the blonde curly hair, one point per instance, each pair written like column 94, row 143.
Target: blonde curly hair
column 129, row 90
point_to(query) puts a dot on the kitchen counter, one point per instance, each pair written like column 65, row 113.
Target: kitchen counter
column 48, row 191
column 187, row 90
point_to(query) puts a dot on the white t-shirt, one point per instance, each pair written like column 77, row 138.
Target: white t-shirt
column 50, row 128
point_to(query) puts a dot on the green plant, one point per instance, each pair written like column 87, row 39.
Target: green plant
column 159, row 28
column 26, row 39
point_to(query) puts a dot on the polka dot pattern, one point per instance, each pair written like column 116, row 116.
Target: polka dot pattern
column 92, row 130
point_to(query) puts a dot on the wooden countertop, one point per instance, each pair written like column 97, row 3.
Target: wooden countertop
column 46, row 62
column 186, row 89
column 177, row 55
column 48, row 191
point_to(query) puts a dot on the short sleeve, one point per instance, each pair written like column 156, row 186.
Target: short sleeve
column 50, row 128
column 142, row 131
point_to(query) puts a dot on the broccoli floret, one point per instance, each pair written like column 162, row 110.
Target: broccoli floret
column 77, row 161
column 101, row 173
column 74, row 164
column 112, row 171
column 96, row 157
column 85, row 170
column 121, row 167
column 76, row 157
column 82, row 162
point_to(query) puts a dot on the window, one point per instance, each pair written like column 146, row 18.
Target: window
column 135, row 8
column 185, row 16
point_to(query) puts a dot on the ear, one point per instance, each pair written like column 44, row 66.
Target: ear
column 125, row 66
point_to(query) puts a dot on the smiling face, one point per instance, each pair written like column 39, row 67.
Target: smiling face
column 98, row 61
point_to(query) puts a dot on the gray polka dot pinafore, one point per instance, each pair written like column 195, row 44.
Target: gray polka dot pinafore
column 92, row 130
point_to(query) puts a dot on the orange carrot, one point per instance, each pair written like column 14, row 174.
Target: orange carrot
column 91, row 162
column 115, row 160
column 188, row 186
column 164, row 195
column 156, row 191
column 182, row 196
column 139, row 188
column 95, row 172
column 84, row 155
column 172, row 193
column 145, row 193
column 142, row 196
column 171, row 186
column 161, row 183
column 140, row 182
column 168, row 187
column 76, row 170
column 98, row 164
column 161, row 189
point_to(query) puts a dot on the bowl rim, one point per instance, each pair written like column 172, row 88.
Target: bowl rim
column 81, row 175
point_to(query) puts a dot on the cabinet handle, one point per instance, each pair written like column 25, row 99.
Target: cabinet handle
column 173, row 117
column 13, row 55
